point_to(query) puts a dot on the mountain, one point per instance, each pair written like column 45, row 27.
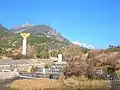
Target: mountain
column 18, row 29
column 89, row 46
column 40, row 31
column 4, row 31
column 43, row 40
column 41, row 34
column 6, row 37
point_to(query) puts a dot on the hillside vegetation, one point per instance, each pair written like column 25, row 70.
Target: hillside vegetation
column 44, row 42
column 41, row 45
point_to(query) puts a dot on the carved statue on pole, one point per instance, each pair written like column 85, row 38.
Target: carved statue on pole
column 24, row 47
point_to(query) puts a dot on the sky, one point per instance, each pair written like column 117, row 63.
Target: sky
column 95, row 22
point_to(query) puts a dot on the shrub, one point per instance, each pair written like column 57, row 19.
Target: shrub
column 76, row 67
column 20, row 56
column 83, row 82
column 17, row 57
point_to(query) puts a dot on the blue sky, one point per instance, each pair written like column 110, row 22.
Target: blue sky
column 95, row 22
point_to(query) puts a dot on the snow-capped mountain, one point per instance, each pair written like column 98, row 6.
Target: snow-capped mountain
column 83, row 44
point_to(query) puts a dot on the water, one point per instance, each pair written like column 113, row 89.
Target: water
column 5, row 88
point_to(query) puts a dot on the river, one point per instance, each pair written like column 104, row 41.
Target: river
column 3, row 88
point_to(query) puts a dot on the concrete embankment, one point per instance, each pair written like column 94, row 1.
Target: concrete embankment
column 8, row 76
column 22, row 65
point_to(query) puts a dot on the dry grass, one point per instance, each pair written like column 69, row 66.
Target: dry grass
column 82, row 82
column 32, row 84
column 73, row 82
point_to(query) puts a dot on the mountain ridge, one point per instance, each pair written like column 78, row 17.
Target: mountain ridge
column 44, row 31
column 39, row 30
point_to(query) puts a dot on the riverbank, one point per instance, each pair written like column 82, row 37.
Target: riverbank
column 43, row 83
